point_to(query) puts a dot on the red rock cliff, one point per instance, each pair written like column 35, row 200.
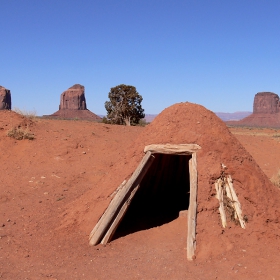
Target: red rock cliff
column 73, row 98
column 5, row 99
column 266, row 103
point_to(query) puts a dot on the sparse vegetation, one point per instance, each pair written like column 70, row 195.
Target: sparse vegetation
column 142, row 122
column 105, row 120
column 275, row 179
column 25, row 113
column 19, row 133
column 277, row 135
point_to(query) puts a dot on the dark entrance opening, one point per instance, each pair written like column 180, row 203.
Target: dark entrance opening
column 163, row 193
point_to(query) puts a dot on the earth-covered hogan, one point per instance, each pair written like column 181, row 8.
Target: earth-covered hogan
column 220, row 155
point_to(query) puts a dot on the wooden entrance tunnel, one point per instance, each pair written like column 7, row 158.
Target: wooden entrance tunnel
column 147, row 178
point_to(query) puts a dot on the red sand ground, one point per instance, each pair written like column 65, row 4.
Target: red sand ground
column 41, row 178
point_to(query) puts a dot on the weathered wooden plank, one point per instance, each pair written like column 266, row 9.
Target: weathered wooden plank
column 220, row 197
column 109, row 215
column 114, row 201
column 110, row 232
column 113, row 194
column 180, row 149
column 191, row 238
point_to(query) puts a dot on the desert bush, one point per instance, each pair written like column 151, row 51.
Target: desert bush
column 105, row 120
column 275, row 179
column 142, row 122
column 19, row 133
column 277, row 135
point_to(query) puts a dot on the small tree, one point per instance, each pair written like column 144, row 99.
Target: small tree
column 124, row 106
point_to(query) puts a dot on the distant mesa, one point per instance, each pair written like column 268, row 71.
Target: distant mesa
column 5, row 99
column 73, row 98
column 266, row 103
column 73, row 105
column 266, row 112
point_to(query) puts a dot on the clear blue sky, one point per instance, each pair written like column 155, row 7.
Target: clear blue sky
column 217, row 53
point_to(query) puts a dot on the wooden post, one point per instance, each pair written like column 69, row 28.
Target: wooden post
column 114, row 201
column 220, row 197
column 191, row 238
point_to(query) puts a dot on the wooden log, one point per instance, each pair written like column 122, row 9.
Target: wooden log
column 236, row 203
column 110, row 232
column 191, row 238
column 180, row 149
column 118, row 189
column 109, row 215
column 114, row 201
column 220, row 197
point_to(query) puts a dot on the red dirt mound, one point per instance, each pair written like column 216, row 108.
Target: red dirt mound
column 9, row 119
column 190, row 123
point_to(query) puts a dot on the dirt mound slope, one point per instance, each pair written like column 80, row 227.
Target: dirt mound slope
column 10, row 119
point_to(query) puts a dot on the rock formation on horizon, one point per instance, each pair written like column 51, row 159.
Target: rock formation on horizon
column 266, row 112
column 266, row 103
column 73, row 105
column 73, row 98
column 5, row 99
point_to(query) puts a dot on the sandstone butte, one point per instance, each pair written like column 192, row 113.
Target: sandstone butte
column 73, row 105
column 5, row 99
column 266, row 112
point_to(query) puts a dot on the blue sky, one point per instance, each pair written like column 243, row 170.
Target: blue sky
column 217, row 53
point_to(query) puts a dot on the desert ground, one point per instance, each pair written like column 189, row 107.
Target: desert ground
column 41, row 178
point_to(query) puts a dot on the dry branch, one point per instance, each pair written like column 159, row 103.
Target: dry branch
column 228, row 200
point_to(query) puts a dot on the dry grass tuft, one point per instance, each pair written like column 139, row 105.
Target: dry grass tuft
column 275, row 179
column 25, row 113
column 19, row 133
